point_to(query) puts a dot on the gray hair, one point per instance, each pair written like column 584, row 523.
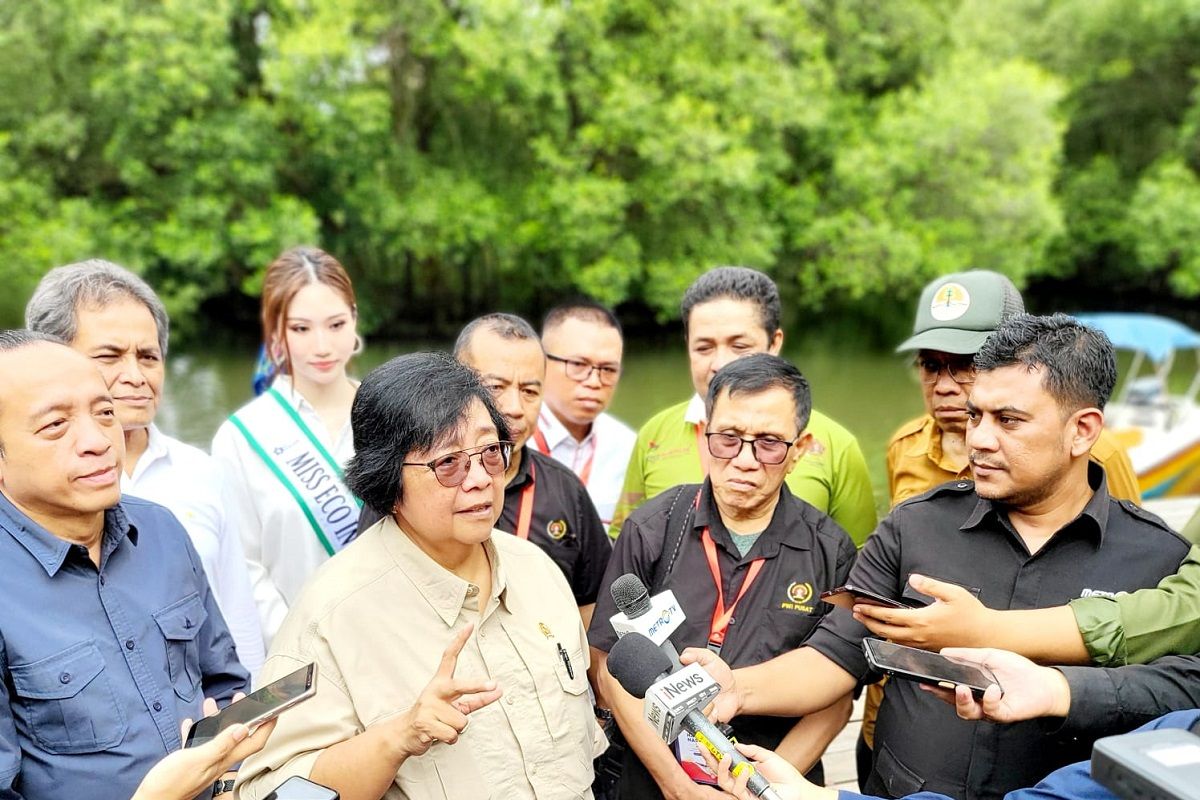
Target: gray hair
column 54, row 307
column 506, row 326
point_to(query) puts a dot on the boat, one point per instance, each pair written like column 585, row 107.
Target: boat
column 1160, row 430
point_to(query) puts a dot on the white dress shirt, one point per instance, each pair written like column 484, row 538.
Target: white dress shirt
column 608, row 445
column 188, row 482
column 282, row 550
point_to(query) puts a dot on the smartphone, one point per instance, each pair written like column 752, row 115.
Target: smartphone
column 297, row 788
column 923, row 666
column 846, row 596
column 258, row 707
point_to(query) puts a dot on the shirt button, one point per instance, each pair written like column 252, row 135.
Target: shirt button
column 509, row 700
column 157, row 706
column 64, row 678
column 129, row 644
column 472, row 590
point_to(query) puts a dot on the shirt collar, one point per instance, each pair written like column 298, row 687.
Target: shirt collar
column 554, row 431
column 1094, row 515
column 695, row 413
column 440, row 587
column 49, row 550
column 157, row 447
column 524, row 475
column 784, row 521
column 934, row 452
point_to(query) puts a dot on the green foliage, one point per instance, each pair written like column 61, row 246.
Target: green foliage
column 483, row 154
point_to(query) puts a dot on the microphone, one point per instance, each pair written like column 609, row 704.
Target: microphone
column 674, row 699
column 656, row 617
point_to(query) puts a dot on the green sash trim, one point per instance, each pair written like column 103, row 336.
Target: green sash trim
column 291, row 412
column 287, row 483
column 298, row 460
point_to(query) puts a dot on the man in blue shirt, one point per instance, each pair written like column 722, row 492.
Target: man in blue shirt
column 109, row 635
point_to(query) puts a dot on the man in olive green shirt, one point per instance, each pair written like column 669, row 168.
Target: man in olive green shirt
column 730, row 312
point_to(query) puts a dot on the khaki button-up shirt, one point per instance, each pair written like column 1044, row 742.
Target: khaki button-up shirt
column 376, row 619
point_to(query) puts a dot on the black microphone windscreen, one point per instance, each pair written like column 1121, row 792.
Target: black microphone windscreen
column 636, row 663
column 630, row 595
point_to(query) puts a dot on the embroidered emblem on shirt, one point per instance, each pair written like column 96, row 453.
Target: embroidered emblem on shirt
column 799, row 596
column 557, row 528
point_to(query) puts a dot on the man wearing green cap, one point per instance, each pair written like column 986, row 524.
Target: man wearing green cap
column 955, row 316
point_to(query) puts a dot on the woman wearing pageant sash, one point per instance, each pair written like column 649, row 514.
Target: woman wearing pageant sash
column 284, row 451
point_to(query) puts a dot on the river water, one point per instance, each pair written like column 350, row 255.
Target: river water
column 870, row 393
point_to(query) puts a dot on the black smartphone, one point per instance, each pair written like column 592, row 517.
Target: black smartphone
column 926, row 667
column 846, row 596
column 297, row 788
column 258, row 707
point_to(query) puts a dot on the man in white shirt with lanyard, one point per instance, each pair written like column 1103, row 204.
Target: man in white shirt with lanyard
column 583, row 344
column 113, row 317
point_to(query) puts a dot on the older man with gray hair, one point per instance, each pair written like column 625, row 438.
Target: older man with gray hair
column 113, row 317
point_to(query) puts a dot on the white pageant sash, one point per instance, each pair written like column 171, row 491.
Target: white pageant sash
column 276, row 432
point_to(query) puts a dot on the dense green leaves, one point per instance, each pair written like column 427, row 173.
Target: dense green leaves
column 462, row 155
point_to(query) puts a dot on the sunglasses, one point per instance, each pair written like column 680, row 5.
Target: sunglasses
column 452, row 469
column 767, row 450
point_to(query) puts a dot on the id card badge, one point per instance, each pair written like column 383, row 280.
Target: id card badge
column 687, row 753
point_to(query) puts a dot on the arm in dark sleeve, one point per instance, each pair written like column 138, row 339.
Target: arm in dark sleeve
column 221, row 674
column 630, row 554
column 10, row 747
column 1115, row 700
column 595, row 549
column 877, row 567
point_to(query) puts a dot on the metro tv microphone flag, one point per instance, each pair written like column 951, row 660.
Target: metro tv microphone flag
column 673, row 701
column 656, row 617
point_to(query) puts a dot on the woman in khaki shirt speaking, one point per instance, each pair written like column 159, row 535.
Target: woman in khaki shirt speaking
column 431, row 619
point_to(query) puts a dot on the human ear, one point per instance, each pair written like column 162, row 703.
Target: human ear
column 1085, row 427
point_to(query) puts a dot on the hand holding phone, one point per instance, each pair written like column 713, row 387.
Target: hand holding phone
column 258, row 707
column 922, row 666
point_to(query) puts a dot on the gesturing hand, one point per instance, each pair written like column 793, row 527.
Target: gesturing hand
column 440, row 713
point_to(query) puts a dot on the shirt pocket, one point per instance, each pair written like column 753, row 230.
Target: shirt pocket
column 67, row 701
column 180, row 624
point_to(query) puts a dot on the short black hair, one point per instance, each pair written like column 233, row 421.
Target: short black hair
column 506, row 326
column 404, row 406
column 1079, row 366
column 735, row 283
column 584, row 309
column 758, row 373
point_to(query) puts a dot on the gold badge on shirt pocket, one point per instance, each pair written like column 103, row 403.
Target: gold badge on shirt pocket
column 557, row 529
column 799, row 597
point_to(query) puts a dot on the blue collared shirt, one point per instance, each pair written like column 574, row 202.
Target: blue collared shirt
column 1073, row 782
column 100, row 666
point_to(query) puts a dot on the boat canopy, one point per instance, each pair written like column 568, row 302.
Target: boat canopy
column 1156, row 337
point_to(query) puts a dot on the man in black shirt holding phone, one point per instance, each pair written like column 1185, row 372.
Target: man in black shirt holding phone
column 1036, row 528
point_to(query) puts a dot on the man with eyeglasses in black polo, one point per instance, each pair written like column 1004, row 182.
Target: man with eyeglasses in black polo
column 746, row 560
column 583, row 346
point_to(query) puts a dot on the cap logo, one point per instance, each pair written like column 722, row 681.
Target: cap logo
column 950, row 302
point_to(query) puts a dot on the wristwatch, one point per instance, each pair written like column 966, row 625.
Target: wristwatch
column 223, row 787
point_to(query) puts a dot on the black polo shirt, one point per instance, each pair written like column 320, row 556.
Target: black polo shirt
column 952, row 534
column 806, row 553
column 565, row 523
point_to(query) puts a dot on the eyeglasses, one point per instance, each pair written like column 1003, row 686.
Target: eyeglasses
column 960, row 370
column 452, row 469
column 582, row 370
column 767, row 450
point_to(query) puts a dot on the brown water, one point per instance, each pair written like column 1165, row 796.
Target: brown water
column 870, row 393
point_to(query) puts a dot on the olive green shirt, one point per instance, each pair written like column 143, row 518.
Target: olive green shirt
column 1138, row 627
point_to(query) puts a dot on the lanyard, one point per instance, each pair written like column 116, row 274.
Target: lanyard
column 544, row 448
column 525, row 510
column 722, row 615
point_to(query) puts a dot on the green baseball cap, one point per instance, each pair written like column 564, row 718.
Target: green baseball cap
column 958, row 312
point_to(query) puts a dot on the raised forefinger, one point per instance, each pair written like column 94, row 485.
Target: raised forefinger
column 450, row 654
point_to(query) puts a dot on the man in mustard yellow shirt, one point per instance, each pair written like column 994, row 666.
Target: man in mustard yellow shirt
column 955, row 315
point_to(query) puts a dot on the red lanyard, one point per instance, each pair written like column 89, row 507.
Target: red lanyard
column 722, row 615
column 583, row 474
column 525, row 510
